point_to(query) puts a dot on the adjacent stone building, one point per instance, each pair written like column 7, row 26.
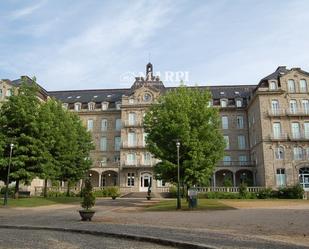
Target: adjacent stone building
column 266, row 128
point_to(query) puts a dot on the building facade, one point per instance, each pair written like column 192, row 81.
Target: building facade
column 265, row 126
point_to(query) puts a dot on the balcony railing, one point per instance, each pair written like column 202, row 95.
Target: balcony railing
column 276, row 112
column 297, row 112
column 133, row 146
column 127, row 123
column 289, row 112
column 137, row 165
column 279, row 137
column 299, row 136
column 236, row 164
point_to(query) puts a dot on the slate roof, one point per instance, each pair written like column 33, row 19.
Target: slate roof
column 86, row 96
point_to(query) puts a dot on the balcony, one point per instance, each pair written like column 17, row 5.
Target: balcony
column 132, row 146
column 236, row 164
column 137, row 165
column 276, row 112
column 132, row 124
column 299, row 136
column 279, row 137
column 297, row 112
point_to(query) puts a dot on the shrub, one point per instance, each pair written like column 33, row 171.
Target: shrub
column 243, row 191
column 56, row 193
column 219, row 195
column 266, row 193
column 89, row 198
column 11, row 191
column 295, row 192
column 228, row 183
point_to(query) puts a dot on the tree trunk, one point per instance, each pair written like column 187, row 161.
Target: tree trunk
column 68, row 189
column 16, row 189
column 45, row 188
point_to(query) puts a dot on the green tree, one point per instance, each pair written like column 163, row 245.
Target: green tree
column 184, row 113
column 18, row 125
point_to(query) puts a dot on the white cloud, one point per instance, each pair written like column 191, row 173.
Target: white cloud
column 21, row 13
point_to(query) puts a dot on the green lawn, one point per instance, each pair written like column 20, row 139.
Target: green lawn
column 203, row 204
column 40, row 201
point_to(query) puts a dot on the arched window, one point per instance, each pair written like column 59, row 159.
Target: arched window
column 293, row 106
column 279, row 153
column 305, row 104
column 303, row 85
column 77, row 106
column 291, row 86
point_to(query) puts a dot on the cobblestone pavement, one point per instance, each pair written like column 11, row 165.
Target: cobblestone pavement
column 239, row 228
column 28, row 239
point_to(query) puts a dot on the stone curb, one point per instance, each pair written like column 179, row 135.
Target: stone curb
column 166, row 242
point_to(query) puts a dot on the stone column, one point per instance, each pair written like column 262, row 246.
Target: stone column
column 214, row 179
column 100, row 179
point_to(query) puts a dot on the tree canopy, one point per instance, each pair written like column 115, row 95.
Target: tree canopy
column 184, row 113
column 49, row 141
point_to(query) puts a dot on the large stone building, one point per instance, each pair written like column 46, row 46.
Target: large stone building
column 266, row 128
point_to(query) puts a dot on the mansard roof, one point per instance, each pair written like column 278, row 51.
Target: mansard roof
column 94, row 95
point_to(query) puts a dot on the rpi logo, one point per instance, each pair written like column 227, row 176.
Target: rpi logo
column 166, row 77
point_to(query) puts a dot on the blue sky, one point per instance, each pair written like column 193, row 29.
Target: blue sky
column 97, row 44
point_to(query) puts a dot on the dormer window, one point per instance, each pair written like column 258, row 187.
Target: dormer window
column 131, row 101
column 104, row 106
column 9, row 92
column 237, row 93
column 77, row 106
column 221, row 93
column 272, row 85
column 91, row 106
column 238, row 103
column 118, row 105
column 65, row 106
column 223, row 102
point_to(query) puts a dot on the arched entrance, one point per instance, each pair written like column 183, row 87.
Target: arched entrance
column 224, row 178
column 244, row 176
column 109, row 178
column 146, row 181
column 94, row 177
column 304, row 178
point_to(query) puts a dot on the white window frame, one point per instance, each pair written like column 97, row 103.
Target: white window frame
column 117, row 143
column 241, row 139
column 280, row 177
column 303, row 87
column 291, row 86
column 227, row 142
column 104, row 124
column 103, row 144
column 104, row 106
column 272, row 85
column 90, row 123
column 240, row 122
column 225, row 122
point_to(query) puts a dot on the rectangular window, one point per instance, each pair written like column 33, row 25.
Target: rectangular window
column 223, row 103
column 144, row 138
column 147, row 158
column 240, row 122
column 103, row 161
column 118, row 124
column 226, row 160
column 130, row 179
column 132, row 118
column 295, row 130
column 241, row 142
column 225, row 122
column 117, row 143
column 242, row 160
column 160, row 183
column 277, row 130
column 303, row 85
column 89, row 124
column 291, row 86
column 227, row 142
column 275, row 107
column 305, row 104
column 103, row 144
column 280, row 177
column 293, row 106
column 131, row 139
column 298, row 153
column 117, row 158
column 306, row 130
column 131, row 159
column 104, row 125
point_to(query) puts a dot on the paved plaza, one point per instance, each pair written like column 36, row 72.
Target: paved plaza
column 257, row 224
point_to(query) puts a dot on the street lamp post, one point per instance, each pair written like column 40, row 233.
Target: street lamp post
column 8, row 177
column 178, row 177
